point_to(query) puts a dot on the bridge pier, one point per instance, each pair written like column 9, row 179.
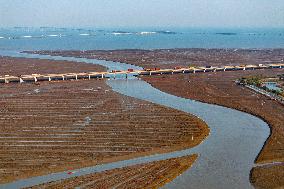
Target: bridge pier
column 37, row 77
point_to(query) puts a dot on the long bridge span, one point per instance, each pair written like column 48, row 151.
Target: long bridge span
column 91, row 75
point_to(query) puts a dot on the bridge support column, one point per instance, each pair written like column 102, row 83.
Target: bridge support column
column 102, row 75
column 21, row 80
column 63, row 78
column 76, row 77
column 6, row 80
column 89, row 77
column 150, row 73
column 244, row 68
column 194, row 71
column 183, row 71
column 49, row 78
column 35, row 79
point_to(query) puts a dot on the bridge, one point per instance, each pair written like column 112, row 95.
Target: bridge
column 115, row 73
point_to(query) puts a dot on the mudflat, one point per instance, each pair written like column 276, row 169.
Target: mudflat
column 57, row 126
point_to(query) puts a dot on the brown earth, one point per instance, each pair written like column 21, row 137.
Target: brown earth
column 58, row 126
column 148, row 175
column 216, row 88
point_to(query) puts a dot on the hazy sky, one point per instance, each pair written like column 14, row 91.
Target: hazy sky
column 113, row 13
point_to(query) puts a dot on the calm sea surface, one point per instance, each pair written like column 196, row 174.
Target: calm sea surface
column 49, row 38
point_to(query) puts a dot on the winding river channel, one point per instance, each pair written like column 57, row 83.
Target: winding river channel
column 225, row 157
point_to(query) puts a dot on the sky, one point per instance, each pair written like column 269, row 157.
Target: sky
column 142, row 13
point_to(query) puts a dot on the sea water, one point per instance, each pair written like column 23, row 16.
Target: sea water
column 50, row 38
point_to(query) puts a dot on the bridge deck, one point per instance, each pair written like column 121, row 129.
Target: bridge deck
column 90, row 75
